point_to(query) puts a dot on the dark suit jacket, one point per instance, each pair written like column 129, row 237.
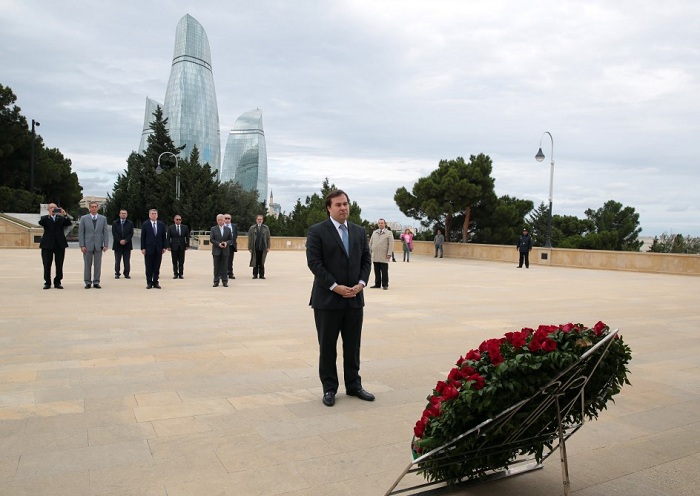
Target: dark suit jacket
column 150, row 242
column 54, row 236
column 176, row 241
column 326, row 257
column 215, row 238
column 126, row 233
column 234, row 233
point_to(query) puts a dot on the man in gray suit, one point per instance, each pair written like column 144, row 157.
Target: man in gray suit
column 92, row 238
column 220, row 238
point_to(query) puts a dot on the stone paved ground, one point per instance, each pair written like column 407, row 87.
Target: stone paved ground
column 194, row 390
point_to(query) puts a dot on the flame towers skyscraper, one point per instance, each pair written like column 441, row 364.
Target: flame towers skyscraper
column 245, row 158
column 190, row 99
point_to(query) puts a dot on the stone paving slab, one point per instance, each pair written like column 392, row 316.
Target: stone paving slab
column 194, row 390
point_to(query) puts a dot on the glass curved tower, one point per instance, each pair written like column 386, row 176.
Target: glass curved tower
column 151, row 106
column 245, row 158
column 190, row 100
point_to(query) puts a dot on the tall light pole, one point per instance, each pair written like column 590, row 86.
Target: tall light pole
column 159, row 170
column 31, row 156
column 540, row 157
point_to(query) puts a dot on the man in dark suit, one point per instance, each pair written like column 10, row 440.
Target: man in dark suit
column 178, row 243
column 122, row 235
column 153, row 246
column 53, row 243
column 233, row 247
column 338, row 255
column 220, row 238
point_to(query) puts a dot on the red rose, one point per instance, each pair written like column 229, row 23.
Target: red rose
column 450, row 393
column 478, row 381
column 474, row 355
column 467, row 371
column 419, row 429
column 456, row 375
column 566, row 328
column 549, row 345
column 496, row 358
column 440, row 387
column 599, row 328
column 535, row 345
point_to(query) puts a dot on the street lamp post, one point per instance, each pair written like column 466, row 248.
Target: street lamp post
column 540, row 157
column 31, row 157
column 159, row 170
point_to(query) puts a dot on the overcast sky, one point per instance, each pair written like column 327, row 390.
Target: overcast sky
column 373, row 94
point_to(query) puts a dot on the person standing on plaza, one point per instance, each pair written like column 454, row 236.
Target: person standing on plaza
column 407, row 240
column 233, row 247
column 178, row 243
column 338, row 255
column 153, row 247
column 220, row 238
column 524, row 247
column 381, row 245
column 53, row 243
column 438, row 240
column 258, row 246
column 93, row 240
column 122, row 236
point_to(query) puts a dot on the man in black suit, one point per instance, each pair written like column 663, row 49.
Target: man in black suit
column 233, row 247
column 153, row 246
column 122, row 235
column 338, row 255
column 178, row 243
column 53, row 243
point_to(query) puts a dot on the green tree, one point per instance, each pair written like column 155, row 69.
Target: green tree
column 501, row 223
column 53, row 177
column 616, row 228
column 675, row 243
column 454, row 188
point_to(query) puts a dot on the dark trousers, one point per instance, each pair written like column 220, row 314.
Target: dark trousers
column 47, row 257
column 178, row 257
column 230, row 261
column 348, row 324
column 119, row 254
column 381, row 274
column 524, row 256
column 258, row 268
column 152, row 261
column 220, row 265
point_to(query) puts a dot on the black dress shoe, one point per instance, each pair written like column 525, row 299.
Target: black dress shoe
column 262, row 277
column 156, row 285
column 255, row 277
column 128, row 277
column 149, row 286
column 116, row 276
column 232, row 277
column 362, row 394
column 47, row 286
column 329, row 398
column 97, row 286
column 57, row 286
column 375, row 287
column 175, row 276
column 225, row 285
column 180, row 276
column 385, row 288
column 215, row 285
column 87, row 286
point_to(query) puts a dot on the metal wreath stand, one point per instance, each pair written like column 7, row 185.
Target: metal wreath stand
column 554, row 434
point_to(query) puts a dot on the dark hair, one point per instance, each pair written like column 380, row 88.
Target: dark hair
column 334, row 194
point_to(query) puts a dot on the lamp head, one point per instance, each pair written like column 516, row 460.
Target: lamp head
column 540, row 156
column 159, row 169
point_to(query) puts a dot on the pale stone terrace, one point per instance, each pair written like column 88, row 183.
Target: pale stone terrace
column 195, row 390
